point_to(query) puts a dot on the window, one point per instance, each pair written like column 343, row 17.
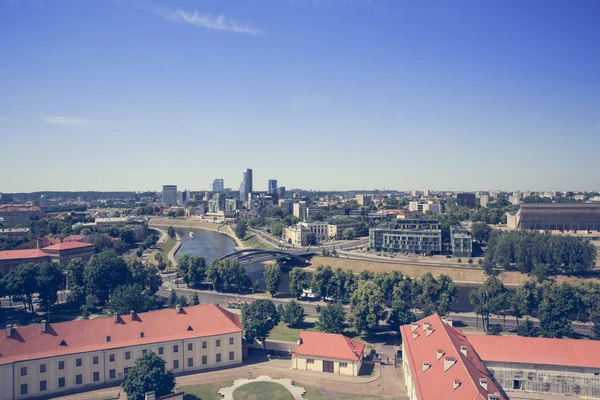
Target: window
column 112, row 374
column 231, row 355
column 175, row 349
column 127, row 355
column 78, row 362
column 204, row 360
column 175, row 364
column 42, row 368
column 126, row 370
column 218, row 357
column 111, row 357
column 204, row 344
column 230, row 340
column 144, row 351
column 24, row 388
column 218, row 342
column 61, row 365
column 310, row 361
column 516, row 384
column 61, row 382
column 96, row 376
column 190, row 362
column 23, row 371
column 95, row 360
column 190, row 347
column 161, row 350
column 141, row 334
column 343, row 365
column 78, row 379
column 43, row 386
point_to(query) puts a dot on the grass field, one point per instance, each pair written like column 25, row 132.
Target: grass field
column 207, row 391
column 255, row 242
column 284, row 333
column 262, row 391
column 163, row 250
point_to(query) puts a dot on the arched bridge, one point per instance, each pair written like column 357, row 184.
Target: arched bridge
column 249, row 256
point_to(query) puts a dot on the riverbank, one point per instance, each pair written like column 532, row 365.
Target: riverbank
column 195, row 224
column 167, row 247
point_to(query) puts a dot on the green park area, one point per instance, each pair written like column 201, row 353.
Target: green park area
column 254, row 242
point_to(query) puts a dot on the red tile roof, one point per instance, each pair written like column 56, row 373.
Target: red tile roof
column 329, row 345
column 437, row 382
column 22, row 254
column 67, row 246
column 29, row 342
column 512, row 349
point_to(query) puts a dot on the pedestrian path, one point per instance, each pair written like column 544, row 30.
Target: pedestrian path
column 296, row 391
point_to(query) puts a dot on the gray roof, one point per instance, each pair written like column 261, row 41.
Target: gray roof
column 560, row 213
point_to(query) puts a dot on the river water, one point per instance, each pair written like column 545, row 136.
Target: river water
column 211, row 245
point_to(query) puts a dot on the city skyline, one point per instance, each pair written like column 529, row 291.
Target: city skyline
column 324, row 95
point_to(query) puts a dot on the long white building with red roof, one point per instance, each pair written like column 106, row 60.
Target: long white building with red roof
column 48, row 359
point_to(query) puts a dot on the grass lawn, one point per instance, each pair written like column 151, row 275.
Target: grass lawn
column 287, row 334
column 254, row 242
column 163, row 250
column 262, row 390
column 205, row 392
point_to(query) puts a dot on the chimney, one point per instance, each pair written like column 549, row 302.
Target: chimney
column 414, row 327
column 178, row 308
column 440, row 354
column 149, row 396
column 448, row 363
column 354, row 352
column 61, row 239
column 483, row 383
column 133, row 316
column 43, row 326
column 463, row 349
column 9, row 329
column 426, row 325
column 456, row 384
column 426, row 366
column 415, row 335
column 299, row 341
column 429, row 331
column 116, row 318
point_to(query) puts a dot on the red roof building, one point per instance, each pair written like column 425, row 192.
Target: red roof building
column 440, row 363
column 10, row 259
column 327, row 352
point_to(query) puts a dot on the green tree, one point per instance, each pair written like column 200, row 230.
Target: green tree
column 228, row 276
column 298, row 281
column 489, row 298
column 171, row 232
column 240, row 229
column 192, row 269
column 322, row 281
column 481, row 232
column 195, row 299
column 311, row 239
column 292, row 313
column 349, row 233
column 527, row 329
column 104, row 272
column 182, row 301
column 277, row 228
column 148, row 374
column 331, row 318
column 400, row 315
column 158, row 257
column 49, row 281
column 22, row 281
column 367, row 306
column 258, row 319
column 128, row 298
column 272, row 278
column 558, row 301
column 172, row 302
column 145, row 275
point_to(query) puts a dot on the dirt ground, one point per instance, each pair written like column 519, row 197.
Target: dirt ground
column 457, row 274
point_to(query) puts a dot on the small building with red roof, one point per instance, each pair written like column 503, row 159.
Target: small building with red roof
column 328, row 352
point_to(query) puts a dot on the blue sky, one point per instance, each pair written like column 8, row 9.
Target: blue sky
column 321, row 94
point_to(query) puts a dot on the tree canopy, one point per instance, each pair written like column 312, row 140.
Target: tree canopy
column 192, row 269
column 148, row 374
column 331, row 318
column 272, row 278
column 258, row 319
column 228, row 276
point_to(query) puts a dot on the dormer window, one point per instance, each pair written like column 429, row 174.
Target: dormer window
column 108, row 338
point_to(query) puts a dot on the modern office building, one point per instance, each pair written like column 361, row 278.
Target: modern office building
column 484, row 200
column 424, row 206
column 465, row 199
column 461, row 241
column 335, row 231
column 419, row 236
column 363, row 199
column 328, row 352
column 217, row 203
column 218, row 185
column 559, row 217
column 272, row 187
column 246, row 186
column 300, row 211
column 281, row 192
column 169, row 195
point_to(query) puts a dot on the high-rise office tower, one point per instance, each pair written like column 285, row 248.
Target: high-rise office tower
column 272, row 186
column 246, row 186
column 281, row 192
column 218, row 185
column 169, row 195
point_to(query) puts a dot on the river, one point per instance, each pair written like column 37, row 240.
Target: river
column 211, row 245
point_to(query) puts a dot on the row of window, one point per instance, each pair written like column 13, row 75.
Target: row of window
column 161, row 350
column 61, row 382
column 61, row 365
column 312, row 361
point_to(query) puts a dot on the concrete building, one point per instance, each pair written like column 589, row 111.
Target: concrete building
column 286, row 205
column 318, row 228
column 246, row 186
column 139, row 224
column 218, row 185
column 272, row 187
column 461, row 242
column 327, row 352
column 423, row 207
column 438, row 362
column 335, row 231
column 52, row 359
column 281, row 192
column 19, row 214
column 419, row 236
column 540, row 365
column 559, row 217
column 169, row 195
column 15, row 233
column 465, row 199
column 217, row 203
column 232, row 205
column 300, row 210
column 363, row 199
column 515, row 198
column 296, row 235
column 484, row 200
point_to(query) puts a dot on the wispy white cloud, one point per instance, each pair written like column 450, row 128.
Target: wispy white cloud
column 68, row 121
column 195, row 18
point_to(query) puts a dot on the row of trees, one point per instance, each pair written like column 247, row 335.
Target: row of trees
column 27, row 279
column 541, row 254
column 224, row 275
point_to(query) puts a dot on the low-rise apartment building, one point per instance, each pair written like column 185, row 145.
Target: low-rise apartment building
column 14, row 233
column 419, row 236
column 335, row 231
column 461, row 241
column 51, row 359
